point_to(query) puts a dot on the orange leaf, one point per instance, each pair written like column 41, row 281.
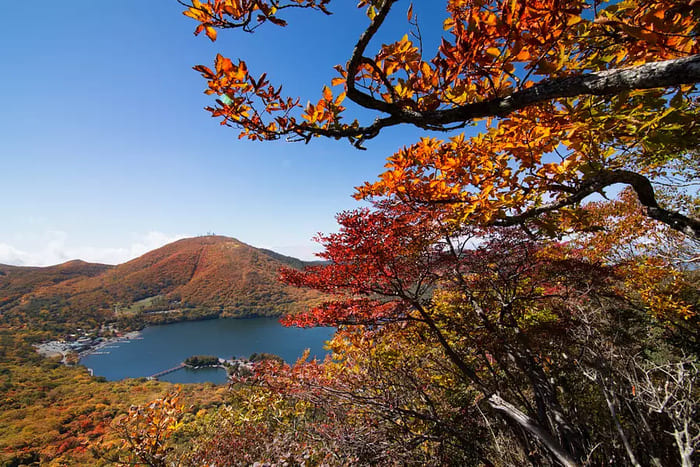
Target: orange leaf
column 327, row 94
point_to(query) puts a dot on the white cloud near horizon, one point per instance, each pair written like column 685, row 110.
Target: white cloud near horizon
column 55, row 248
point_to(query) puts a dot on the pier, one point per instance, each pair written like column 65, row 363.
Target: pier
column 165, row 372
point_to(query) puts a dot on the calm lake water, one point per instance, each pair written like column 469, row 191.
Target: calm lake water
column 166, row 346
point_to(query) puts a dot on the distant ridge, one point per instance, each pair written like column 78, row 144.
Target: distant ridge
column 220, row 274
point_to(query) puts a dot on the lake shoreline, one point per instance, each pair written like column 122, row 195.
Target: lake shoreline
column 81, row 347
column 166, row 346
column 126, row 337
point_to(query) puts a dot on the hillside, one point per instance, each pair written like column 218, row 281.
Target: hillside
column 17, row 281
column 218, row 274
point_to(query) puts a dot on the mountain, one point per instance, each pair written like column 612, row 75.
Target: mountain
column 214, row 273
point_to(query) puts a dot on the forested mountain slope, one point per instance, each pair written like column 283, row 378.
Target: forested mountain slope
column 216, row 273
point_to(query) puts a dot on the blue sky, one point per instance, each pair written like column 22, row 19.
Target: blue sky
column 106, row 151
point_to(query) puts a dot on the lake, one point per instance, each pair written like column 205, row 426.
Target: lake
column 162, row 347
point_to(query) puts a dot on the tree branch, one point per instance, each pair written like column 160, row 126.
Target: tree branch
column 357, row 58
column 528, row 424
column 642, row 187
column 667, row 73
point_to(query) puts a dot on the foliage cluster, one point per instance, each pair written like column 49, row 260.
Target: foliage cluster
column 202, row 360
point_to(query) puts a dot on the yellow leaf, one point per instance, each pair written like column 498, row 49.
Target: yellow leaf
column 371, row 12
column 495, row 51
column 573, row 20
column 490, row 19
column 211, row 33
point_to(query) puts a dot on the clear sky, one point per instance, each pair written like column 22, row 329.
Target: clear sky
column 106, row 151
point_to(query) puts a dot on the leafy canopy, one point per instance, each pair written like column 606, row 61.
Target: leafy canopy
column 536, row 314
column 576, row 96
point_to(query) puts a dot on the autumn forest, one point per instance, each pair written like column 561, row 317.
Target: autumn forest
column 519, row 287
